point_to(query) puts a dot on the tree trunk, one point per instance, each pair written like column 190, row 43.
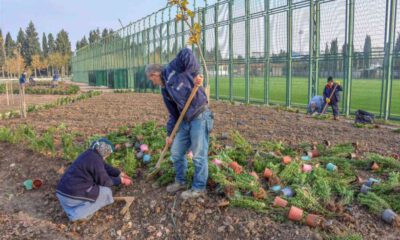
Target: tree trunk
column 35, row 72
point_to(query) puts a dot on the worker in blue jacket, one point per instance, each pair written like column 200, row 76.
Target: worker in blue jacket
column 86, row 185
column 177, row 80
column 333, row 89
column 22, row 79
column 315, row 105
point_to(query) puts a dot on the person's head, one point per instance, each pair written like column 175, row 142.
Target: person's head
column 330, row 81
column 153, row 73
column 103, row 146
column 24, row 73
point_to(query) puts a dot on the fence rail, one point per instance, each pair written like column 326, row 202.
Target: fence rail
column 266, row 51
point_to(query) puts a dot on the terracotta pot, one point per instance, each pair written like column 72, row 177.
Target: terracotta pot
column 144, row 148
column 217, row 162
column 313, row 220
column 254, row 174
column 286, row 160
column 295, row 214
column 236, row 167
column 268, row 173
column 260, row 194
column 307, row 168
column 374, row 166
column 313, row 153
column 37, row 183
column 280, row 202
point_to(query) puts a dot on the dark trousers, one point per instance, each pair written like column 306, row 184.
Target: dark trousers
column 335, row 108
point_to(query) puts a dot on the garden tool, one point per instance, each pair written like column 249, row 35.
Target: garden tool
column 128, row 203
column 330, row 98
column 176, row 127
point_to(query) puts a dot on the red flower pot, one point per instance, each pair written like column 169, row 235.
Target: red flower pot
column 268, row 173
column 313, row 220
column 254, row 174
column 37, row 183
column 314, row 153
column 236, row 167
column 295, row 214
column 374, row 166
column 260, row 194
column 286, row 160
column 280, row 202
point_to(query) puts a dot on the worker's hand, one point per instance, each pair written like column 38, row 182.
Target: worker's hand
column 338, row 83
column 122, row 174
column 328, row 100
column 198, row 80
column 168, row 141
column 126, row 181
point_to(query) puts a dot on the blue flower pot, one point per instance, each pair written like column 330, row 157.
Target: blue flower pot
column 388, row 216
column 276, row 188
column 287, row 192
column 146, row 158
column 331, row 167
column 365, row 189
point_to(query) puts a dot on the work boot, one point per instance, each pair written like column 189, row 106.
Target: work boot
column 175, row 187
column 336, row 118
column 188, row 194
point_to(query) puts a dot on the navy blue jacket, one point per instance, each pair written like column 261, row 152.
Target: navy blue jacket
column 22, row 79
column 336, row 96
column 178, row 80
column 85, row 175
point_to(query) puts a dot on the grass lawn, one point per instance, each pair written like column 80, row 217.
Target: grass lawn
column 366, row 93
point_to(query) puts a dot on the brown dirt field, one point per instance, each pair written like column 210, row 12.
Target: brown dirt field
column 36, row 214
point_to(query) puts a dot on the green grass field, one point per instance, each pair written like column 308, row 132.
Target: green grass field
column 366, row 93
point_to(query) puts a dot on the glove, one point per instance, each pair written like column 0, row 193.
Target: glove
column 126, row 181
column 338, row 83
column 328, row 100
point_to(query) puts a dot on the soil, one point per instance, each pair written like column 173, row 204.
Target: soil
column 36, row 214
column 31, row 99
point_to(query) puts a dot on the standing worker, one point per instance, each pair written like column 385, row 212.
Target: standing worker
column 22, row 82
column 177, row 81
column 332, row 96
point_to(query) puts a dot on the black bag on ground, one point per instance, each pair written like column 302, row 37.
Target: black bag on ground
column 364, row 117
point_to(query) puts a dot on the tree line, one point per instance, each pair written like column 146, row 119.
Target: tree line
column 26, row 53
column 94, row 36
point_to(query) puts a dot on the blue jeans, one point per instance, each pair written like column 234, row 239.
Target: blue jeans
column 80, row 209
column 193, row 135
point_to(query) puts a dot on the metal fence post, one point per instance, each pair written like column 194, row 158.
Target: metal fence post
column 267, row 59
column 247, row 52
column 216, row 49
column 349, row 52
column 289, row 54
column 231, row 51
column 387, row 81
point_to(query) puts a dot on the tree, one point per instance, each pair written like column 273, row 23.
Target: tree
column 31, row 44
column 84, row 42
column 94, row 36
column 9, row 46
column 51, row 44
column 21, row 41
column 45, row 46
column 2, row 54
column 36, row 63
column 334, row 54
column 367, row 52
column 63, row 45
column 55, row 60
column 105, row 33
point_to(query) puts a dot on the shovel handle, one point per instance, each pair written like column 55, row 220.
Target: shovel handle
column 177, row 124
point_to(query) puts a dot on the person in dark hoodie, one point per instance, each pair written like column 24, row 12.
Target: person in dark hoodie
column 177, row 81
column 334, row 88
column 85, row 187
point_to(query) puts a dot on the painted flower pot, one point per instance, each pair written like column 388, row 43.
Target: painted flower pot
column 144, row 148
column 313, row 220
column 280, row 202
column 217, row 162
column 327, row 143
column 146, row 158
column 137, row 146
column 190, row 155
column 236, row 167
column 388, row 216
column 287, row 192
column 313, row 153
column 276, row 188
column 374, row 166
column 372, row 181
column 351, row 156
column 254, row 174
column 305, row 158
column 28, row 184
column 139, row 155
column 260, row 194
column 268, row 173
column 365, row 189
column 307, row 168
column 37, row 183
column 331, row 167
column 295, row 214
column 128, row 145
column 286, row 160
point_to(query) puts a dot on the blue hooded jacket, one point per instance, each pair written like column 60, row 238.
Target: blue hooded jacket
column 336, row 96
column 177, row 77
column 85, row 175
column 22, row 79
